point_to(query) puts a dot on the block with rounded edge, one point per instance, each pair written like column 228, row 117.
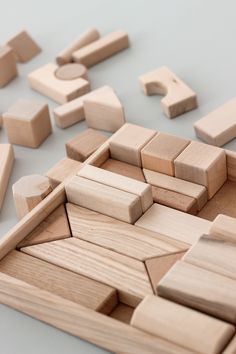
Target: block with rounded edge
column 8, row 69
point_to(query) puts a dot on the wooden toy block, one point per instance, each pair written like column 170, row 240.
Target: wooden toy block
column 28, row 192
column 126, row 184
column 122, row 313
column 123, row 169
column 8, row 69
column 23, row 46
column 218, row 127
column 102, row 48
column 99, row 264
column 104, row 199
column 159, row 154
column 100, row 156
column 231, row 347
column 62, row 170
column 231, row 165
column 179, row 98
column 174, row 223
column 84, row 144
column 71, row 71
column 61, row 282
column 87, row 37
column 200, row 289
column 118, row 236
column 6, row 164
column 45, row 81
column 27, row 123
column 181, row 325
column 103, row 110
column 54, row 227
column 224, row 227
column 202, row 164
column 127, row 144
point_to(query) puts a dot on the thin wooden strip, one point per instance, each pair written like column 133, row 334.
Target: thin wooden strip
column 6, row 163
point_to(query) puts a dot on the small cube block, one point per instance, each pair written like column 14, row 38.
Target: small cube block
column 8, row 69
column 23, row 46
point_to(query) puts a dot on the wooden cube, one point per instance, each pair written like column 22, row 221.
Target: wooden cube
column 27, row 123
column 8, row 69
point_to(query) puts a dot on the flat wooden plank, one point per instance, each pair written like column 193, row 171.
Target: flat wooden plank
column 225, row 227
column 122, row 313
column 6, row 163
column 124, row 169
column 62, row 170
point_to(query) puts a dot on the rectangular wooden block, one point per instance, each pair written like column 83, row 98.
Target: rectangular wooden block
column 231, row 347
column 124, row 169
column 6, row 163
column 122, row 313
column 224, row 227
column 181, row 325
column 231, row 164
column 62, row 170
column 104, row 199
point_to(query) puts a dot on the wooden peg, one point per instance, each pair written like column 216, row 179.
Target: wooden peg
column 6, row 163
column 23, row 46
column 8, row 69
column 225, row 227
column 62, row 170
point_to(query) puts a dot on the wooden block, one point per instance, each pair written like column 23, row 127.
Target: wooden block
column 159, row 154
column 122, row 313
column 118, row 236
column 181, row 325
column 174, row 224
column 23, row 46
column 45, row 81
column 224, row 227
column 126, row 184
column 61, row 282
column 84, row 144
column 104, row 111
column 127, row 144
column 54, row 227
column 104, row 199
column 31, row 119
column 231, row 347
column 200, row 289
column 102, row 49
column 202, row 164
column 8, row 67
column 124, row 169
column 99, row 264
column 179, row 98
column 87, row 37
column 218, row 127
column 6, row 164
column 231, row 165
column 28, row 192
column 71, row 71
column 62, row 170
column 99, row 156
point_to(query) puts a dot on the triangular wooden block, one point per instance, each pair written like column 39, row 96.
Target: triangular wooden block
column 54, row 227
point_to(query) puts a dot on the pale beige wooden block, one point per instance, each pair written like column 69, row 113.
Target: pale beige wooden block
column 231, row 164
column 28, row 192
column 71, row 71
column 97, row 263
column 27, row 123
column 224, row 227
column 99, row 156
column 23, row 46
column 123, row 169
column 179, row 98
column 45, row 81
column 6, row 164
column 231, row 347
column 122, row 313
column 174, row 223
column 186, row 327
column 61, row 282
column 203, row 164
column 177, row 185
column 102, row 49
column 200, row 289
column 128, row 142
column 218, row 127
column 126, row 184
column 159, row 154
column 84, row 144
column 8, row 69
column 62, row 170
column 104, row 199
column 87, row 37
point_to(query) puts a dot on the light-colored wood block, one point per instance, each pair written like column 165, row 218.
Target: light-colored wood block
column 203, row 164
column 84, row 144
column 124, row 169
column 99, row 156
column 8, row 69
column 62, row 170
column 224, row 227
column 6, row 164
column 104, row 199
column 231, row 347
column 71, row 71
column 218, row 127
column 159, row 154
column 28, row 192
column 118, row 236
column 126, row 184
column 99, row 264
column 23, row 46
column 231, row 164
column 179, row 98
column 102, row 49
column 122, row 313
column 61, row 282
column 200, row 289
column 27, row 123
column 128, row 142
column 45, row 81
column 87, row 37
column 186, row 327
column 174, row 223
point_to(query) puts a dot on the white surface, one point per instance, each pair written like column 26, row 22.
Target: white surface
column 196, row 39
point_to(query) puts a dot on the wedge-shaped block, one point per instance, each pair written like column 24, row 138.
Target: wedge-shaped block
column 124, row 169
column 6, row 164
column 8, row 69
column 27, row 123
column 62, row 170
column 225, row 227
column 181, row 325
column 23, row 46
column 203, row 164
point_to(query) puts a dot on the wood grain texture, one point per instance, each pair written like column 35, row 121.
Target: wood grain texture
column 62, row 170
column 231, row 165
column 225, row 227
column 124, row 169
column 6, row 164
column 122, row 313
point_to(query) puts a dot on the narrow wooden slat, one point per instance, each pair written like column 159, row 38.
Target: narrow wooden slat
column 6, row 163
